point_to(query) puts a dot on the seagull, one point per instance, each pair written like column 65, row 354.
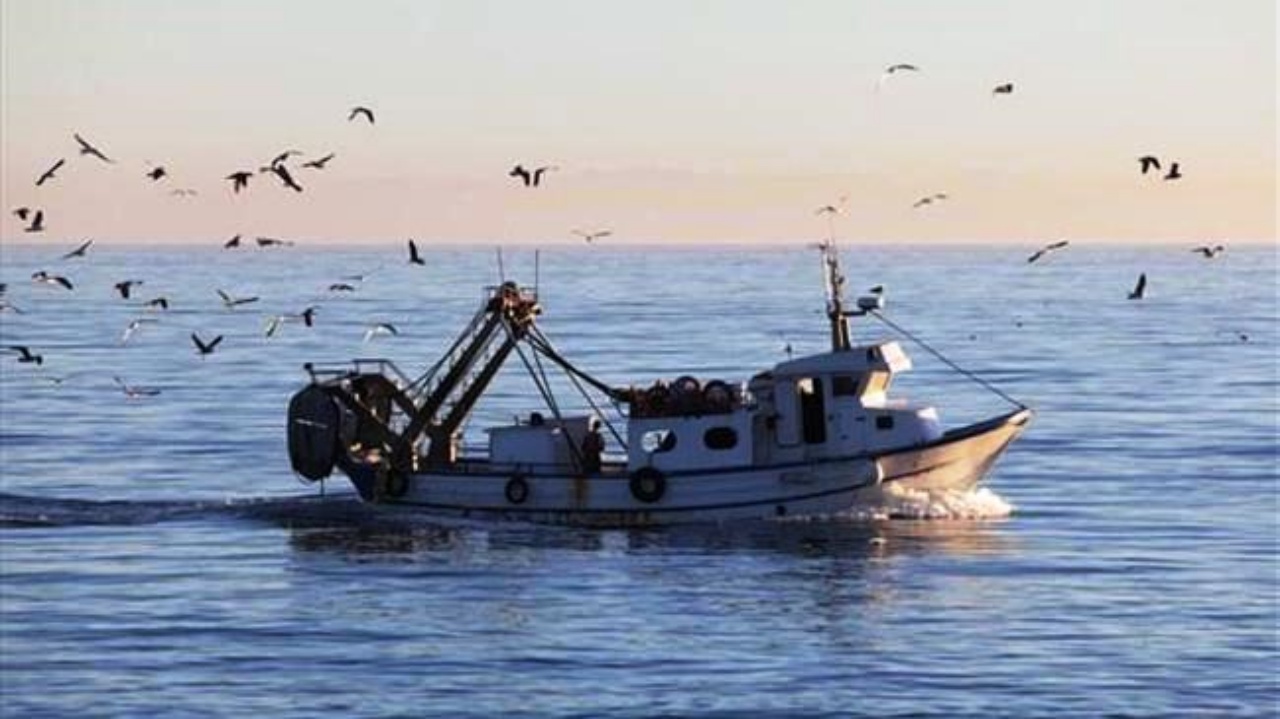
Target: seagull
column 827, row 210
column 591, row 237
column 157, row 172
column 22, row 212
column 205, row 348
column 1174, row 173
column 161, row 303
column 87, row 149
column 319, row 164
column 307, row 317
column 184, row 192
column 929, row 200
column 1005, row 89
column 48, row 174
column 232, row 302
column 1140, row 289
column 24, row 354
column 125, row 286
column 893, row 70
column 1047, row 249
column 341, row 287
column 272, row 242
column 414, row 257
column 382, row 328
column 1210, row 252
column 284, row 156
column 133, row 327
column 79, row 251
column 239, row 180
column 37, row 223
column 48, row 279
column 1149, row 162
column 531, row 179
column 283, row 173
column 360, row 110
column 135, row 391
column 877, row 290
column 232, row 243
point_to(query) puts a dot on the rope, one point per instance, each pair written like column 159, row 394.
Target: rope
column 985, row 384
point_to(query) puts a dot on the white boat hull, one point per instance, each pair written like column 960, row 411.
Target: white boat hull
column 957, row 462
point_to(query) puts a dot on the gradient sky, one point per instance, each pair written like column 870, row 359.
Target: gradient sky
column 673, row 121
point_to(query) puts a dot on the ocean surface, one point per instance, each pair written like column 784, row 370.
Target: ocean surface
column 159, row 558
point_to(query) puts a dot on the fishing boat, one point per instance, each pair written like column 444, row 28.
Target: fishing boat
column 811, row 436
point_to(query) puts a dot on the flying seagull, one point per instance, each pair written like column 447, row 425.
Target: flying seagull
column 124, row 287
column 271, row 242
column 283, row 173
column 25, row 355
column 531, row 179
column 48, row 279
column 135, row 391
column 1140, row 289
column 232, row 243
column 232, row 302
column 382, row 328
column 827, row 210
column 157, row 172
column 79, row 251
column 161, row 303
column 284, row 156
column 341, row 287
column 307, row 317
column 929, row 200
column 1005, row 89
column 893, row 70
column 1148, row 163
column 414, row 257
column 87, row 149
column 184, row 192
column 22, row 213
column 205, row 348
column 1047, row 249
column 133, row 327
column 1174, row 173
column 37, row 223
column 591, row 237
column 320, row 163
column 49, row 173
column 1210, row 252
column 239, row 180
column 361, row 111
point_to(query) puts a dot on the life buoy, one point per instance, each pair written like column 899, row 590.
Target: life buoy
column 517, row 489
column 648, row 485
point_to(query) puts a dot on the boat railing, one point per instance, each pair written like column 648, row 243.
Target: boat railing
column 359, row 366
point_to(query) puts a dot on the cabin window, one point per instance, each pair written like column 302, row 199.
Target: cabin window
column 813, row 412
column 720, row 438
column 657, row 441
column 844, row 385
column 884, row 421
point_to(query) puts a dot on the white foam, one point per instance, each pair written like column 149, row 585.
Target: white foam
column 896, row 502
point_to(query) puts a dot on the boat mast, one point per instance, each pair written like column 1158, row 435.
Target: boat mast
column 833, row 278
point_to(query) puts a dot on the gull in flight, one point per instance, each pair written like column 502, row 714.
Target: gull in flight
column 232, row 243
column 49, row 173
column 135, row 391
column 25, row 355
column 414, row 257
column 37, row 222
column 1174, row 172
column 591, row 237
column 894, row 70
column 531, row 179
column 232, row 302
column 1005, row 89
column 133, row 328
column 126, row 286
column 79, row 251
column 1140, row 289
column 382, row 328
column 320, row 163
column 361, row 111
column 87, row 149
column 205, row 348
column 938, row 196
column 48, row 279
column 239, row 180
column 1148, row 163
column 1047, row 249
column 1208, row 252
column 307, row 317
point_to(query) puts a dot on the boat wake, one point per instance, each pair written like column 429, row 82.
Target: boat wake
column 895, row 502
column 18, row 511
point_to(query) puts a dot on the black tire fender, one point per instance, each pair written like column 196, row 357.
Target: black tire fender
column 648, row 485
column 517, row 489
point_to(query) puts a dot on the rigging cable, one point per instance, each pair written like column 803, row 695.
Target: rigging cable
column 987, row 385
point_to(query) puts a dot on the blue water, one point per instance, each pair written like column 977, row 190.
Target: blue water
column 157, row 557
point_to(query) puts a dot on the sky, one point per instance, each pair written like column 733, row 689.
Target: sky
column 670, row 121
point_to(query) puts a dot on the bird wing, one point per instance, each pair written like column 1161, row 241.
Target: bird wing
column 1142, row 285
column 79, row 251
column 1035, row 256
column 216, row 341
column 413, row 252
column 273, row 324
column 63, row 281
column 199, row 345
column 22, row 350
column 1058, row 245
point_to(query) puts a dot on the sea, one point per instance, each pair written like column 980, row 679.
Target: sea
column 158, row 557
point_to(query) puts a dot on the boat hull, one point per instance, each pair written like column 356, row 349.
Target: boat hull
column 957, row 462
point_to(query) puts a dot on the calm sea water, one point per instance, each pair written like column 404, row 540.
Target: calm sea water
column 157, row 556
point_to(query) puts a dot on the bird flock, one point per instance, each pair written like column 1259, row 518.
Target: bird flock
column 286, row 169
